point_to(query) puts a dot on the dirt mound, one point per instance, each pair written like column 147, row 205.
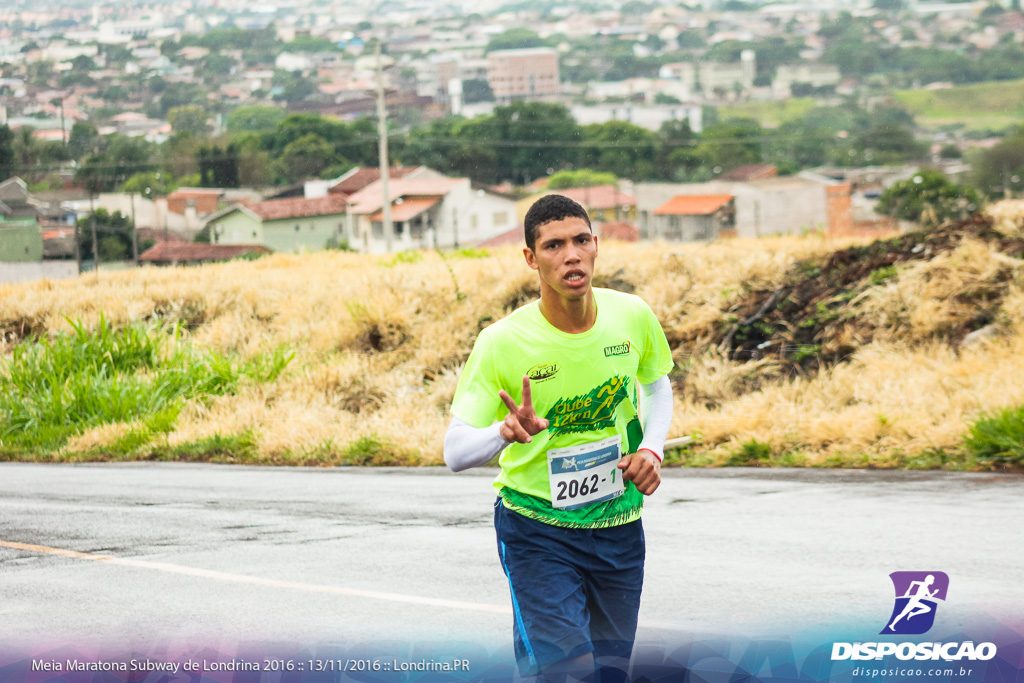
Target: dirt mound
column 810, row 322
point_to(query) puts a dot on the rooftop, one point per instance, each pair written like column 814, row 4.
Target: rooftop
column 693, row 204
column 598, row 197
column 371, row 198
column 297, row 207
column 180, row 252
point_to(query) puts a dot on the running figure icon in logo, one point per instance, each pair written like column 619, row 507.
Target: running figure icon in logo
column 917, row 594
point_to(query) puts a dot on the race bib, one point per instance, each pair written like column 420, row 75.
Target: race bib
column 585, row 474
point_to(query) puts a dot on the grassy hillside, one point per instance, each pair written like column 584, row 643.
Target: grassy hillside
column 789, row 351
column 769, row 114
column 980, row 106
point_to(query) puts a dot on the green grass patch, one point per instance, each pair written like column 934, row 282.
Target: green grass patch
column 409, row 256
column 374, row 450
column 877, row 277
column 769, row 114
column 998, row 438
column 54, row 388
column 979, row 106
column 471, row 252
column 224, row 448
column 751, row 453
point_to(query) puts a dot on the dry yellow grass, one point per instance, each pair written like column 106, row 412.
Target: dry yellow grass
column 379, row 346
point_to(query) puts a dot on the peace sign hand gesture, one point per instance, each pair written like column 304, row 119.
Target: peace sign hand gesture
column 522, row 422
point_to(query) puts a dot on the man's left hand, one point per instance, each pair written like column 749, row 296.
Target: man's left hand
column 643, row 468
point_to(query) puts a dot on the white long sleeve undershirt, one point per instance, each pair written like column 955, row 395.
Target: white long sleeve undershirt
column 466, row 446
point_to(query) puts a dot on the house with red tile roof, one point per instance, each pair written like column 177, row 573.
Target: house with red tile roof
column 604, row 203
column 291, row 224
column 762, row 206
column 751, row 172
column 359, row 177
column 192, row 253
column 695, row 217
column 429, row 212
column 620, row 230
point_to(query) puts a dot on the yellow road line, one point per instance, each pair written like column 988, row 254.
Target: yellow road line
column 276, row 583
column 256, row 580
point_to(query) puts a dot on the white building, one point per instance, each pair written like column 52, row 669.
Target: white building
column 648, row 116
column 709, row 77
column 427, row 213
column 817, row 75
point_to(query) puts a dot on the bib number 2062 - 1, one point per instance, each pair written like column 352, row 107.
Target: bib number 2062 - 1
column 585, row 474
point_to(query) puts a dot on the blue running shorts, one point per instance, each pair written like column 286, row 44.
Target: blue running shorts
column 574, row 591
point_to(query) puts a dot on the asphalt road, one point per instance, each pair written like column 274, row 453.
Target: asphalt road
column 167, row 552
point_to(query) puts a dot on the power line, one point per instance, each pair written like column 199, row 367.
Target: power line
column 411, row 139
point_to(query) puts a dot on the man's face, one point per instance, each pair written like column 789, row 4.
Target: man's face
column 564, row 255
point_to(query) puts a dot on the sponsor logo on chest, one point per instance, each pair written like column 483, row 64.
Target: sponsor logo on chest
column 617, row 349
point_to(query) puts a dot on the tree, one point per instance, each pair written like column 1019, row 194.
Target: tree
column 149, row 184
column 730, row 144
column 84, row 139
column 619, row 147
column 254, row 166
column 114, row 231
column 356, row 141
column 115, row 54
column 534, row 136
column 83, row 64
column 476, row 90
column 305, row 157
column 889, row 144
column 218, row 167
column 930, row 199
column 39, row 73
column 254, row 118
column 292, row 86
column 516, row 39
column 121, row 158
column 308, row 43
column 442, row 145
column 178, row 154
column 999, row 171
column 583, row 177
column 215, row 66
column 950, row 151
column 114, row 93
column 189, row 118
column 178, row 94
column 6, row 152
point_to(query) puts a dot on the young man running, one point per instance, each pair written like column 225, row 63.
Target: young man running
column 573, row 391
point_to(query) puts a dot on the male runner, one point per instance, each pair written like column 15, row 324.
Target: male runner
column 573, row 391
column 915, row 606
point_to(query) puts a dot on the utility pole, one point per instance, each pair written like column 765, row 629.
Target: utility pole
column 78, row 248
column 382, row 132
column 59, row 102
column 135, row 234
column 95, row 245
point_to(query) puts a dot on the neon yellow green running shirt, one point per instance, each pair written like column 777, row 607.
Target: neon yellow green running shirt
column 585, row 385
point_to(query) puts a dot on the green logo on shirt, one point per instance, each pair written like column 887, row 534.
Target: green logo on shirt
column 592, row 411
column 542, row 371
column 617, row 350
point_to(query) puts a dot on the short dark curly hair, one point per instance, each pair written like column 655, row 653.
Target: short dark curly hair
column 552, row 207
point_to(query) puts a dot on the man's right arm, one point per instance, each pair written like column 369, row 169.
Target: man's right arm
column 467, row 446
